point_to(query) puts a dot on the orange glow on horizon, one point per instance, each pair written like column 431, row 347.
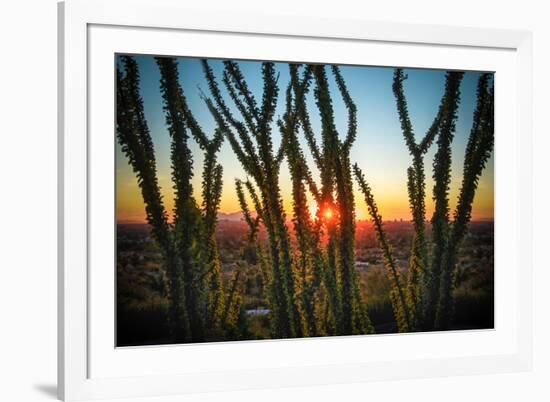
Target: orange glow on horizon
column 392, row 203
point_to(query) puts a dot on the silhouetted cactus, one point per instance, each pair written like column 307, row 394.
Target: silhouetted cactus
column 421, row 295
column 233, row 317
column 135, row 139
column 431, row 277
column 309, row 260
column 334, row 196
column 189, row 245
column 252, row 144
column 478, row 151
column 187, row 218
column 402, row 309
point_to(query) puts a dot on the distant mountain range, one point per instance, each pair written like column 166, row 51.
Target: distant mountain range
column 233, row 216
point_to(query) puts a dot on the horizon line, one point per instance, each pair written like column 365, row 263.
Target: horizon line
column 480, row 219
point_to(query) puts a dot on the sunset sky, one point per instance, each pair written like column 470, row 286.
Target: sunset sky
column 379, row 149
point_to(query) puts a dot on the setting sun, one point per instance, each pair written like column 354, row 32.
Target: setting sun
column 328, row 214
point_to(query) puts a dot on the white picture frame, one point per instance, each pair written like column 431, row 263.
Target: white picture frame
column 90, row 367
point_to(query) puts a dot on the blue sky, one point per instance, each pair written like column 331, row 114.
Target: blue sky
column 379, row 149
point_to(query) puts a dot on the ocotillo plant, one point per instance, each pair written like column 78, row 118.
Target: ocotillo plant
column 421, row 295
column 336, row 153
column 252, row 143
column 186, row 211
column 428, row 300
column 135, row 139
column 478, row 151
column 334, row 196
column 188, row 244
column 232, row 313
column 401, row 309
column 179, row 117
column 309, row 260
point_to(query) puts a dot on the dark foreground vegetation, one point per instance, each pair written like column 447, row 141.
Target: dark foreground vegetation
column 142, row 317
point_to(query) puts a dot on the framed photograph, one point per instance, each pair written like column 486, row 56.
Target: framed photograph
column 253, row 201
